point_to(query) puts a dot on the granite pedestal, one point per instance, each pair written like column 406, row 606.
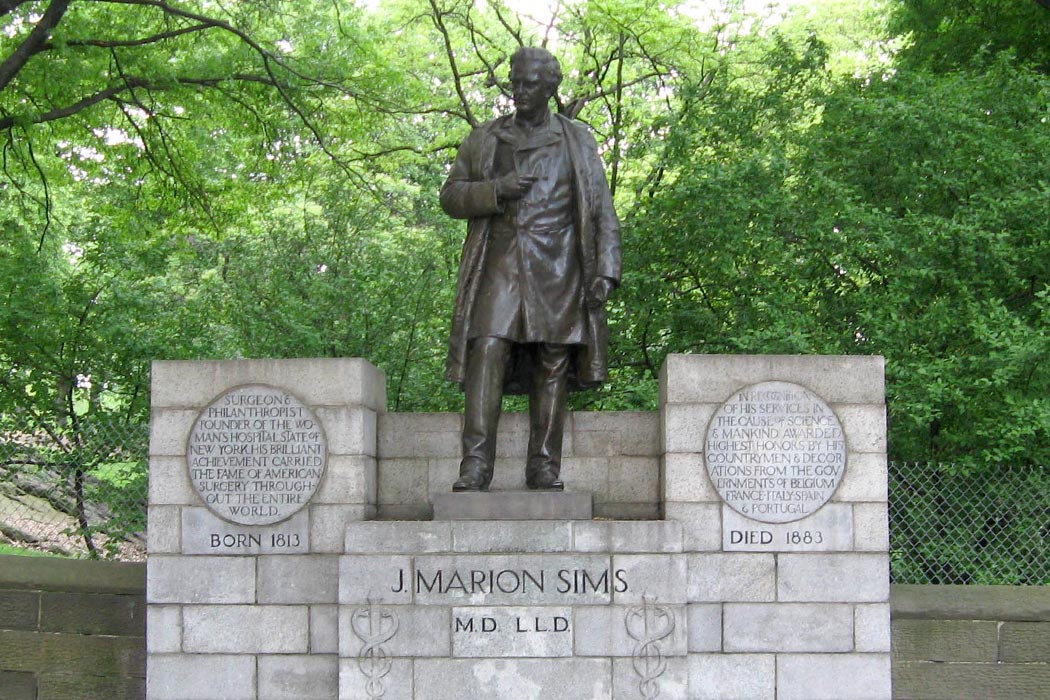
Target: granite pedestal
column 738, row 549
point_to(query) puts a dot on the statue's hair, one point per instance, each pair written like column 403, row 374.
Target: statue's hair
column 550, row 69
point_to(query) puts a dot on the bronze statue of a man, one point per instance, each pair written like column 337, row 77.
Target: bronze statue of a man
column 541, row 257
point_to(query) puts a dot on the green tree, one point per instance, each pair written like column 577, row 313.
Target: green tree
column 946, row 35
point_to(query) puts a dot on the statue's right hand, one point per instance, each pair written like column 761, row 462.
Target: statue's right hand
column 514, row 186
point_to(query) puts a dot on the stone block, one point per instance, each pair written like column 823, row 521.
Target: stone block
column 18, row 685
column 685, row 478
column 379, row 579
column 93, row 614
column 203, row 532
column 701, row 525
column 705, row 627
column 968, row 602
column 651, row 536
column 169, row 429
column 419, row 631
column 101, row 655
column 633, row 480
column 512, row 438
column 1024, row 642
column 297, row 580
column 442, row 473
column 245, row 629
column 316, row 381
column 82, row 575
column 830, row 529
column 509, row 475
column 586, row 474
column 324, row 629
column 328, row 525
column 513, row 505
column 349, row 430
column 200, row 677
column 639, row 429
column 419, row 435
column 865, row 427
column 871, row 529
column 732, row 677
column 404, row 481
column 512, row 679
column 500, row 632
column 834, row 677
column 781, row 627
column 298, row 677
column 163, row 529
column 169, row 482
column 672, row 682
column 411, row 511
column 348, row 480
column 923, row 680
column 63, row 686
column 831, row 578
column 514, row 579
column 866, row 478
column 684, row 426
column 717, row 578
column 201, row 580
column 613, row 510
column 512, row 536
column 661, row 577
column 946, row 640
column 871, row 628
column 620, row 630
column 616, row 433
column 164, row 629
column 390, row 537
column 19, row 610
column 389, row 683
column 835, row 378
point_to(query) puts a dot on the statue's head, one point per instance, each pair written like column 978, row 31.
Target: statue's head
column 543, row 60
column 534, row 79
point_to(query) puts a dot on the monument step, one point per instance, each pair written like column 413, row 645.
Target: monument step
column 514, row 505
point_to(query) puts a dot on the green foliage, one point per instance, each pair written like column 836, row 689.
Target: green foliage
column 946, row 35
column 260, row 181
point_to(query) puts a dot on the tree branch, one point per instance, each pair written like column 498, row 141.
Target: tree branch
column 439, row 21
column 130, row 83
column 17, row 60
column 130, row 42
column 9, row 6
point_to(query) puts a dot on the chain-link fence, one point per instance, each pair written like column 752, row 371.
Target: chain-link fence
column 950, row 524
column 82, row 493
column 76, row 491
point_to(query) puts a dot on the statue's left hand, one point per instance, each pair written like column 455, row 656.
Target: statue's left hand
column 599, row 292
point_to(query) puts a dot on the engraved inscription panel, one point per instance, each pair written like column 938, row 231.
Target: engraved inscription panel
column 256, row 455
column 511, row 631
column 775, row 452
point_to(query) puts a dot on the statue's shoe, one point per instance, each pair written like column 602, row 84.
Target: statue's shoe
column 474, row 475
column 545, row 480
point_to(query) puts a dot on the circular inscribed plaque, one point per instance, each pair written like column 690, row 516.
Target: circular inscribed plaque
column 256, row 455
column 775, row 452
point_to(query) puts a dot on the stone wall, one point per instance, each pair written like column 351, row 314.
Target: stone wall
column 963, row 642
column 71, row 630
column 614, row 455
column 74, row 629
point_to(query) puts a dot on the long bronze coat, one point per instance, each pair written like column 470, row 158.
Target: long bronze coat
column 470, row 193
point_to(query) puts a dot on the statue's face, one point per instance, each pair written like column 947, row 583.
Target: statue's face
column 528, row 89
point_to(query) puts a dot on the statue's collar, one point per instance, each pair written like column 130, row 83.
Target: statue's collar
column 521, row 137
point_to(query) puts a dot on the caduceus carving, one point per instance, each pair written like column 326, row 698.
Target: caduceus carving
column 649, row 624
column 374, row 627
